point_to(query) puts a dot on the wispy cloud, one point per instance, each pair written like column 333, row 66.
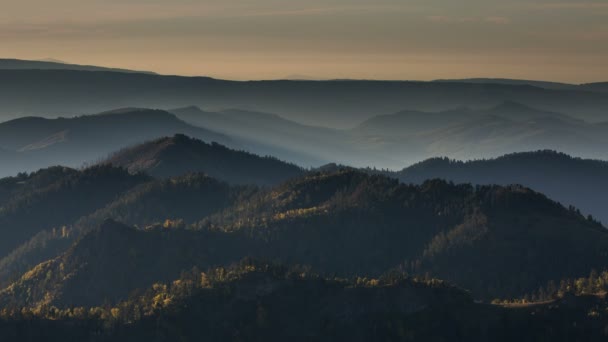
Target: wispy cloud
column 497, row 20
column 569, row 6
column 464, row 20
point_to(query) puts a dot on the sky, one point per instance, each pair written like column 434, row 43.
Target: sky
column 555, row 40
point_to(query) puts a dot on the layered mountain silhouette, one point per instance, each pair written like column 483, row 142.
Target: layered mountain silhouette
column 40, row 142
column 473, row 134
column 406, row 137
column 306, row 145
column 346, row 223
column 386, row 141
column 179, row 155
column 251, row 299
column 53, row 64
column 269, row 210
column 56, row 197
column 507, row 81
column 174, row 202
column 582, row 183
column 327, row 103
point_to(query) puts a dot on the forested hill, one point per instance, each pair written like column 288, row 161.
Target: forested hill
column 55, row 197
column 496, row 241
column 175, row 202
column 582, row 183
column 178, row 155
column 270, row 302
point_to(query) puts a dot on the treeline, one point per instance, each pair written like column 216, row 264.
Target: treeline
column 262, row 301
column 596, row 284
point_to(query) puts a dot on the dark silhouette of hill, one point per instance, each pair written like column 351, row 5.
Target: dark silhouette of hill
column 60, row 201
column 73, row 141
column 506, row 81
column 582, row 183
column 174, row 202
column 347, row 222
column 254, row 300
column 178, row 155
column 599, row 87
column 108, row 263
column 52, row 64
column 326, row 103
column 494, row 241
column 23, row 183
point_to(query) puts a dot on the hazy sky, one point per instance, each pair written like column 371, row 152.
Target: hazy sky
column 560, row 40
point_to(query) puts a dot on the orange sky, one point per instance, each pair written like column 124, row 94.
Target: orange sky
column 264, row 39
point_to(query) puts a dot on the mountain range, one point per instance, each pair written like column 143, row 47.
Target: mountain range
column 406, row 137
column 453, row 210
column 65, row 249
column 582, row 183
column 39, row 142
column 341, row 103
column 54, row 64
column 346, row 223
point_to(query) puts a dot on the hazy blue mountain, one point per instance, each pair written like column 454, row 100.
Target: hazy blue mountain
column 409, row 122
column 385, row 141
column 302, row 141
column 409, row 136
column 484, row 133
column 53, row 64
column 40, row 142
column 179, row 155
column 506, row 81
column 600, row 86
column 326, row 103
column 582, row 183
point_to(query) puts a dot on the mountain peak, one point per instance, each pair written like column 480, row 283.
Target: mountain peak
column 181, row 154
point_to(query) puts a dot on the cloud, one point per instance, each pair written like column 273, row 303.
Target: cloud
column 497, row 20
column 570, row 6
column 462, row 20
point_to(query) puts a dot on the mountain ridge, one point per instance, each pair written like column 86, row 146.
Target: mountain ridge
column 52, row 64
column 547, row 171
column 178, row 155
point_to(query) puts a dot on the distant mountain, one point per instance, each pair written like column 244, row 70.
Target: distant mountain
column 73, row 141
column 571, row 181
column 505, row 81
column 599, row 87
column 178, row 155
column 327, row 103
column 390, row 141
column 53, row 64
column 473, row 134
column 410, row 122
column 321, row 144
column 386, row 141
